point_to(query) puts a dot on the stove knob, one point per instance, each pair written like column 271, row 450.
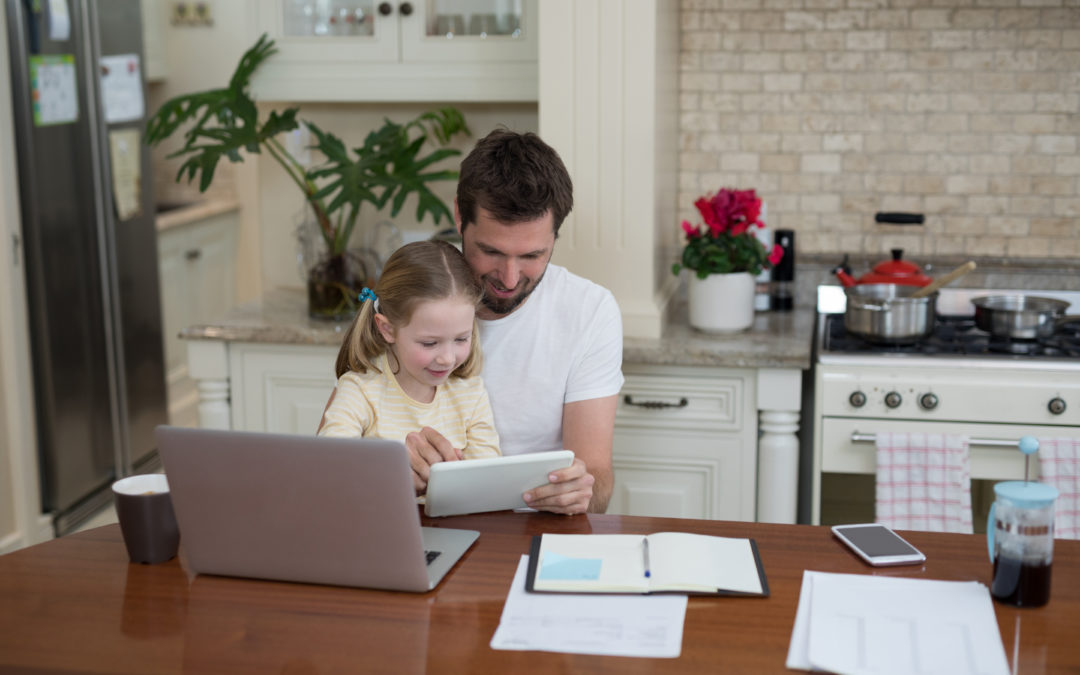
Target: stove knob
column 1056, row 405
column 857, row 399
column 893, row 399
column 928, row 401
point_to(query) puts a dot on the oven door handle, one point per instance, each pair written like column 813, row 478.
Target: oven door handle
column 857, row 437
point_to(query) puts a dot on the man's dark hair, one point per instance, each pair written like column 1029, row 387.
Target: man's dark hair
column 516, row 177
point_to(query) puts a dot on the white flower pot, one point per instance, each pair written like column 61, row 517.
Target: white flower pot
column 722, row 303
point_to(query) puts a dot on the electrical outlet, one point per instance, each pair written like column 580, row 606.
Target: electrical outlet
column 204, row 16
column 198, row 13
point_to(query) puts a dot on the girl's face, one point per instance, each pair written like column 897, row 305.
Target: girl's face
column 432, row 345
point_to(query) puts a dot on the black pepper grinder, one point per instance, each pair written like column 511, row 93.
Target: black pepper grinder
column 782, row 295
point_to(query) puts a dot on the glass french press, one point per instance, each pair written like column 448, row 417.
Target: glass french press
column 1020, row 537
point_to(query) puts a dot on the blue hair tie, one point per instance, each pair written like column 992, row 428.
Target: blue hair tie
column 368, row 294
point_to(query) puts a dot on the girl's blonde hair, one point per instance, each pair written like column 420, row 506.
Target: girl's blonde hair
column 415, row 273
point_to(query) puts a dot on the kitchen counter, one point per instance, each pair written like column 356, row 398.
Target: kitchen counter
column 193, row 212
column 776, row 340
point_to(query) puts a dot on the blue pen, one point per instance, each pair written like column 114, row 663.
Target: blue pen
column 645, row 554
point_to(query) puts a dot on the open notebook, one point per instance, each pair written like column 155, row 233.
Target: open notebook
column 662, row 562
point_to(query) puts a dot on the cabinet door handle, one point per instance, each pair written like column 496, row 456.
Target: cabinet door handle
column 405, row 9
column 385, row 8
column 193, row 254
column 655, row 405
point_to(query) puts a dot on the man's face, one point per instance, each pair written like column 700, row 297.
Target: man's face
column 509, row 260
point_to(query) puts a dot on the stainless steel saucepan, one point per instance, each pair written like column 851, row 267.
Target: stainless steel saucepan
column 886, row 313
column 1020, row 317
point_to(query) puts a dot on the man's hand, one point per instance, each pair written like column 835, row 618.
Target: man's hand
column 568, row 491
column 427, row 447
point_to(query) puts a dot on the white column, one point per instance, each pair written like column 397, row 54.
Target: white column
column 779, row 400
column 609, row 105
column 215, row 412
column 208, row 365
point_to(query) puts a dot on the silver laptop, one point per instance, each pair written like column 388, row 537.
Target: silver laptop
column 303, row 508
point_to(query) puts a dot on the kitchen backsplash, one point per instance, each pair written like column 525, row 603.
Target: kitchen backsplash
column 967, row 111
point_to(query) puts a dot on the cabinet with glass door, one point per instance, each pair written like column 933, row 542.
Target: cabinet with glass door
column 398, row 50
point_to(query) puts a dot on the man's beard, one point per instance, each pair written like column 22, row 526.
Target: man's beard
column 503, row 306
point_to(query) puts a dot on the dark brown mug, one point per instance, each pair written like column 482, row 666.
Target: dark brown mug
column 147, row 521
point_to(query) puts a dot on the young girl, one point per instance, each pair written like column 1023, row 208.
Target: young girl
column 411, row 358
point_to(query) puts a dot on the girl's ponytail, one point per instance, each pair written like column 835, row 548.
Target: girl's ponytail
column 362, row 343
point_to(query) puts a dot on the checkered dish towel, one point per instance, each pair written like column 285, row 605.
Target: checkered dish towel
column 923, row 482
column 1059, row 465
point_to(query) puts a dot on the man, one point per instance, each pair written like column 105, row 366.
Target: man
column 552, row 340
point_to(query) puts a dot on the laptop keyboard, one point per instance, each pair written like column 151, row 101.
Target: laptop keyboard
column 431, row 555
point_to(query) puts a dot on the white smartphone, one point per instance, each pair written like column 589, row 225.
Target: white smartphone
column 878, row 544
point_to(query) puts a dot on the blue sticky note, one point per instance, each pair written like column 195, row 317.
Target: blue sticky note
column 564, row 568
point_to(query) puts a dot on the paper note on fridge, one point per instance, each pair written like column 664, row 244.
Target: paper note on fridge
column 53, row 89
column 125, row 152
column 121, row 88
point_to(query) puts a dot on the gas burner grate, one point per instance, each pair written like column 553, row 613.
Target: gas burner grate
column 957, row 335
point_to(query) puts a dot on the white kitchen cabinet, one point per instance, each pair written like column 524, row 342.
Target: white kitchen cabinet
column 196, row 265
column 153, row 30
column 686, row 443
column 280, row 388
column 421, row 50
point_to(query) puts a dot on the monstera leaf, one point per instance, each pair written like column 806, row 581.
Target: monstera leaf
column 223, row 121
column 386, row 169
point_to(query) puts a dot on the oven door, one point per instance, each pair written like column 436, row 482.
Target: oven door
column 839, row 453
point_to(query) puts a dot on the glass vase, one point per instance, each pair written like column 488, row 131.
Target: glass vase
column 333, row 281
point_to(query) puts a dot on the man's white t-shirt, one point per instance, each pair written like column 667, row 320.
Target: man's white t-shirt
column 563, row 344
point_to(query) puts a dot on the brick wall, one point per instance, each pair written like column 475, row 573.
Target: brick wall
column 965, row 110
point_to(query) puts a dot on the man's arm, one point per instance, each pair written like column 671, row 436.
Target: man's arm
column 588, row 430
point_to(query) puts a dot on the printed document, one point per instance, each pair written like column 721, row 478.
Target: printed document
column 860, row 623
column 612, row 625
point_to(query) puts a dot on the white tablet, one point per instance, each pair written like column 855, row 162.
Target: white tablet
column 495, row 484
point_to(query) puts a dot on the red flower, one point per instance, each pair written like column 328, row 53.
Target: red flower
column 776, row 254
column 725, row 243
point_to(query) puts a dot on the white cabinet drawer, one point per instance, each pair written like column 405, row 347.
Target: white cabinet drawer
column 688, row 449
column 677, row 402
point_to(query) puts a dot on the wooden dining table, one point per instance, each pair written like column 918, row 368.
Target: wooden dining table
column 77, row 605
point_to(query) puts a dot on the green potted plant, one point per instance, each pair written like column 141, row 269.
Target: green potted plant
column 393, row 163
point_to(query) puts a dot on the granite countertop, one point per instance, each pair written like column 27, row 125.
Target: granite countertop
column 776, row 340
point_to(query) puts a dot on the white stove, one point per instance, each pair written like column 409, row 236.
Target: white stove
column 956, row 381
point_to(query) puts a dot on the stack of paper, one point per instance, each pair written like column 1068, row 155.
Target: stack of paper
column 854, row 623
column 613, row 625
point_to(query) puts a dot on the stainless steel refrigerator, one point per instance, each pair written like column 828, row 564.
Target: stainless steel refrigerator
column 90, row 246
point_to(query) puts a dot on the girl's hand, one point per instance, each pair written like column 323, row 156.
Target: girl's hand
column 427, row 447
